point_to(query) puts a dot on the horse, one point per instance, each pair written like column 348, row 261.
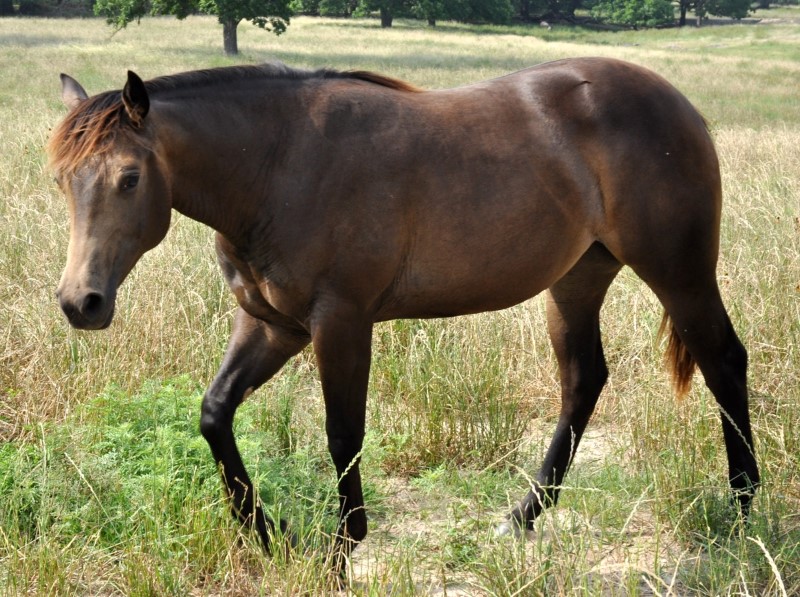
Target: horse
column 345, row 198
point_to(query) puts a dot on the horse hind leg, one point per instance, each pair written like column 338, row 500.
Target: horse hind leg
column 573, row 321
column 702, row 329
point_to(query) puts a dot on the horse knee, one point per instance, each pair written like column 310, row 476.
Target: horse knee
column 344, row 450
column 214, row 418
column 736, row 359
column 591, row 381
column 581, row 391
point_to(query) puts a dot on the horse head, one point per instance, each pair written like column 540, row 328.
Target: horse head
column 117, row 194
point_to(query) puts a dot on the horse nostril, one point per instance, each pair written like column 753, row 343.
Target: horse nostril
column 68, row 309
column 92, row 304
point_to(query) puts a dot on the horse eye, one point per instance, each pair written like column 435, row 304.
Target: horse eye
column 128, row 182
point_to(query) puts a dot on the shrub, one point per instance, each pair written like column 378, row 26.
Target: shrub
column 635, row 13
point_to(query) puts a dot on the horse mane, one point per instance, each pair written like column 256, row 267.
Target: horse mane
column 391, row 83
column 92, row 126
column 270, row 71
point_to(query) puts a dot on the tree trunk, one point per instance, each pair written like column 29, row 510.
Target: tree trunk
column 229, row 40
column 682, row 20
column 431, row 22
column 386, row 18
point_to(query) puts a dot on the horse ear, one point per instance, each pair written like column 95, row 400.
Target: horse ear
column 135, row 99
column 72, row 93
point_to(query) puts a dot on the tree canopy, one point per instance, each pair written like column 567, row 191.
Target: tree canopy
column 271, row 15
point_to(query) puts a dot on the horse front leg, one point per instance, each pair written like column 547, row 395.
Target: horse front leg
column 256, row 351
column 342, row 338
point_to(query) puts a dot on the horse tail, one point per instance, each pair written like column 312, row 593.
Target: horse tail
column 679, row 361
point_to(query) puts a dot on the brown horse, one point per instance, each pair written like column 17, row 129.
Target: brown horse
column 344, row 199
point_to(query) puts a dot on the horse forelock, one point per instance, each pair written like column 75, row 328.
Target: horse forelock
column 88, row 130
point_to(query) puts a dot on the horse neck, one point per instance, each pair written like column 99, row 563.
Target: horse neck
column 217, row 156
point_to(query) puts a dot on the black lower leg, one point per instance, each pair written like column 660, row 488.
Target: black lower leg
column 256, row 351
column 573, row 323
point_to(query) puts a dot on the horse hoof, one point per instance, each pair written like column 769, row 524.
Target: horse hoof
column 511, row 528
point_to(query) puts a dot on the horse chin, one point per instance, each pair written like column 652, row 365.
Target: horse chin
column 83, row 324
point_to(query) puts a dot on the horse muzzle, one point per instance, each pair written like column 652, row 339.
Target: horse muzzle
column 90, row 310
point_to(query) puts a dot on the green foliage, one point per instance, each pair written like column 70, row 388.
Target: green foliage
column 59, row 8
column 634, row 13
column 527, row 10
column 95, row 475
column 736, row 9
column 127, row 466
column 434, row 10
column 337, row 8
column 563, row 8
column 392, row 8
column 271, row 15
column 324, row 8
column 496, row 12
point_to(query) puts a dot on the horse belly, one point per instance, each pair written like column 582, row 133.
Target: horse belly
column 475, row 276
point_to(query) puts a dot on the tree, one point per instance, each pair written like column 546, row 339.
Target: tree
column 497, row 12
column 271, row 15
column 432, row 10
column 634, row 13
column 388, row 9
column 736, row 9
column 563, row 9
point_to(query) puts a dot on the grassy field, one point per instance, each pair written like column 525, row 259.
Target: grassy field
column 107, row 488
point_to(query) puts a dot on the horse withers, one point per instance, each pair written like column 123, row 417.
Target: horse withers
column 341, row 199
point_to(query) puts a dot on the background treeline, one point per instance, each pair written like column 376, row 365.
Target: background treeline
column 630, row 13
column 633, row 13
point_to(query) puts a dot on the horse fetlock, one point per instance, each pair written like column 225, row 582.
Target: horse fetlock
column 353, row 525
column 515, row 528
column 743, row 489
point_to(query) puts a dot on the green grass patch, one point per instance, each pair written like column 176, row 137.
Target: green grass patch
column 130, row 476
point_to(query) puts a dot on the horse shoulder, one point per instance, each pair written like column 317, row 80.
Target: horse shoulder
column 255, row 293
